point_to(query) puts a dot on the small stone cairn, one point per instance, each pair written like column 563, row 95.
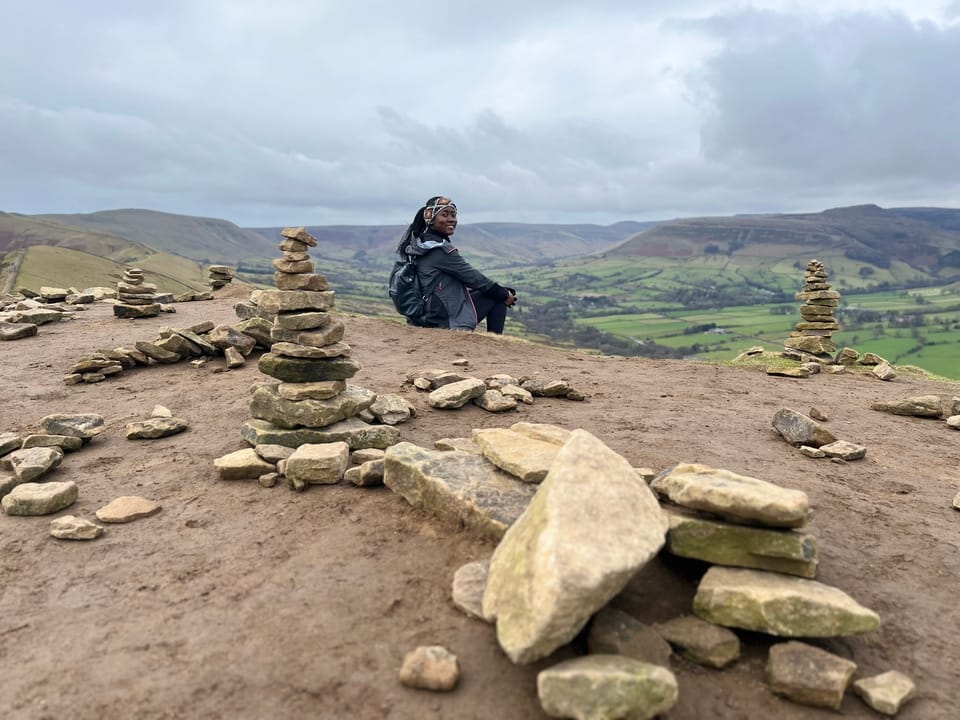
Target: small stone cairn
column 312, row 403
column 220, row 276
column 813, row 334
column 135, row 298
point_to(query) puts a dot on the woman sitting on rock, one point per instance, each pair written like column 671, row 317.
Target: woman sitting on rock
column 459, row 296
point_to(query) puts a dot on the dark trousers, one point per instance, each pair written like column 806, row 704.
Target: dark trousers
column 490, row 309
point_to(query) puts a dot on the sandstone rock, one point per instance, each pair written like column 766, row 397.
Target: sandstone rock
column 299, row 234
column 794, row 372
column 818, row 414
column 886, row 693
column 40, row 498
column 64, row 442
column 257, row 328
column 457, row 487
column 523, row 457
column 517, row 393
column 353, row 431
column 614, row 632
column 954, row 422
column 546, row 388
column 494, row 401
column 295, row 350
column 588, row 529
column 844, row 450
column 269, row 480
column 161, row 411
column 456, row 394
column 359, row 457
column 812, row 451
column 542, row 431
column 267, row 404
column 84, row 426
column 304, row 320
column 434, row 378
column 923, row 406
column 369, row 474
column 430, row 668
column 9, row 441
column 234, row 358
column 606, row 686
column 300, row 281
column 16, row 331
column 127, row 508
column 242, row 464
column 318, row 338
column 808, row 675
column 798, row 429
column 736, row 497
column 70, row 527
column 468, row 445
column 123, row 310
column 779, row 604
column 278, row 301
column 225, row 336
column 29, row 464
column 296, row 370
column 273, row 453
column 469, row 582
column 721, row 543
column 883, row 371
column 155, row 352
column 323, row 390
column 391, row 409
column 701, row 641
column 155, row 427
column 318, row 464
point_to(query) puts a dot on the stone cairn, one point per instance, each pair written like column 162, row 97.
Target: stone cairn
column 311, row 403
column 219, row 276
column 813, row 334
column 135, row 298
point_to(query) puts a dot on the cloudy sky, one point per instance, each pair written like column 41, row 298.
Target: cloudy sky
column 288, row 112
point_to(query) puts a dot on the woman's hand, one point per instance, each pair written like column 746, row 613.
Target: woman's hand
column 511, row 298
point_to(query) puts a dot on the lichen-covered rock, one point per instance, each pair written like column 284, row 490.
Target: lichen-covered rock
column 779, row 605
column 606, row 686
column 701, row 641
column 887, row 692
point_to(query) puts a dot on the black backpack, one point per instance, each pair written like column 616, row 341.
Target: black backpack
column 406, row 292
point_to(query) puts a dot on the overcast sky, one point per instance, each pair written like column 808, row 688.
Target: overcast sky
column 289, row 112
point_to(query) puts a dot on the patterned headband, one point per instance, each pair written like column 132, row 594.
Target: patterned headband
column 438, row 204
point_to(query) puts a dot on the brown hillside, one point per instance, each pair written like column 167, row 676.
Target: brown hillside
column 243, row 602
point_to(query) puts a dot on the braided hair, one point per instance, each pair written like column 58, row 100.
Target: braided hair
column 422, row 220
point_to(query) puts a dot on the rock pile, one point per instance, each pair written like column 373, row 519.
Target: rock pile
column 219, row 276
column 813, row 334
column 197, row 343
column 312, row 404
column 135, row 298
column 21, row 316
column 554, row 498
column 497, row 393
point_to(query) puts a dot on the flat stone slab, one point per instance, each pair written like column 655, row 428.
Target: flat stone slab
column 16, row 331
column 318, row 464
column 84, row 426
column 735, row 497
column 278, row 301
column 456, row 486
column 323, row 390
column 721, row 543
column 522, row 456
column 922, row 406
column 606, row 686
column 779, row 604
column 844, row 450
column 155, row 427
column 267, row 404
column 296, row 370
column 456, row 394
column 808, row 675
column 70, row 527
column 9, row 442
column 127, row 508
column 353, row 431
column 29, row 464
column 64, row 442
column 40, row 498
column 242, row 464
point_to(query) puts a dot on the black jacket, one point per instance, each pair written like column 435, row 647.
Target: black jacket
column 446, row 277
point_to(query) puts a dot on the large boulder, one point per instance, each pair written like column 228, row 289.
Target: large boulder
column 590, row 527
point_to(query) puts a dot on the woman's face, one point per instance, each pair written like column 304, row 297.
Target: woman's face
column 445, row 221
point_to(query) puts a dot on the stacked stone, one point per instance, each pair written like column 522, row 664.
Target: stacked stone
column 220, row 275
column 312, row 402
column 813, row 334
column 135, row 298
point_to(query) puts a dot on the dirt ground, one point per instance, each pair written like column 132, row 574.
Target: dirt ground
column 237, row 601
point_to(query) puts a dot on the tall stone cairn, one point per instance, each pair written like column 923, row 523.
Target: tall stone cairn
column 312, row 402
column 813, row 334
column 219, row 275
column 135, row 298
